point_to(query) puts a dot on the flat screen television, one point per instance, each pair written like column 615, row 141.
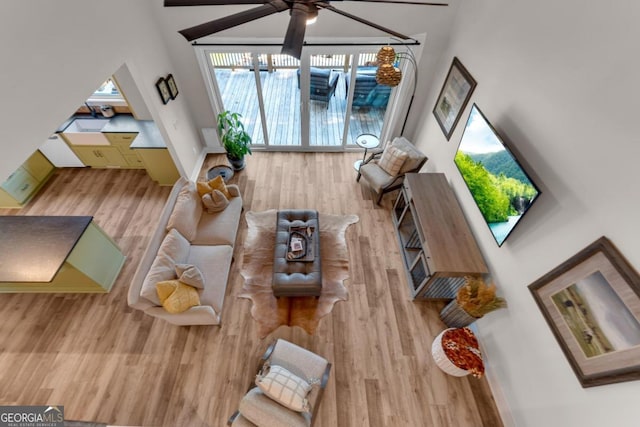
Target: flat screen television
column 498, row 183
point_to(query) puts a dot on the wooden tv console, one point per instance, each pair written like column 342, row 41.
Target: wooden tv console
column 436, row 243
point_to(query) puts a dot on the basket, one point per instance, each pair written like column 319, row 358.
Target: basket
column 442, row 360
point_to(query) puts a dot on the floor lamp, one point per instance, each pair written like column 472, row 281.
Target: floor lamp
column 388, row 74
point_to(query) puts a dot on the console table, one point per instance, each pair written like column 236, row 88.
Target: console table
column 436, row 243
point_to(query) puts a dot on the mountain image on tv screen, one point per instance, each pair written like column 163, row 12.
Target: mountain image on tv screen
column 500, row 187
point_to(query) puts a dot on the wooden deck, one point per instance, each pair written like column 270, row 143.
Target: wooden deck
column 282, row 101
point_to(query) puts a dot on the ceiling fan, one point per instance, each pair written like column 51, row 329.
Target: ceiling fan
column 301, row 12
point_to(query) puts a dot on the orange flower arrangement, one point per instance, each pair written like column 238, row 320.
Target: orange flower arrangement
column 477, row 298
column 461, row 348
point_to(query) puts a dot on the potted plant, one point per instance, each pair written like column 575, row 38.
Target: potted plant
column 235, row 140
column 473, row 300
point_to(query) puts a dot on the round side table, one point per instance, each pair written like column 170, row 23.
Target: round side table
column 226, row 172
column 366, row 141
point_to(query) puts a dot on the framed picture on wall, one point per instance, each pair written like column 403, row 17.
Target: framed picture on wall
column 454, row 95
column 171, row 84
column 163, row 90
column 592, row 305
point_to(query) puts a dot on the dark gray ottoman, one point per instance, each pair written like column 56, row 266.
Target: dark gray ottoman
column 293, row 278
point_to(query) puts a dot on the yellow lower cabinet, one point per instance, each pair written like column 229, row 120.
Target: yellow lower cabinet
column 159, row 165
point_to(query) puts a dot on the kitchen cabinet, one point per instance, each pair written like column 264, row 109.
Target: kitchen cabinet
column 25, row 182
column 159, row 165
column 122, row 141
column 100, row 156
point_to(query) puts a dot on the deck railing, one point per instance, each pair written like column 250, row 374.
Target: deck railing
column 271, row 62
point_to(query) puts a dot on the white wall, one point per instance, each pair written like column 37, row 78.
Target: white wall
column 558, row 80
column 55, row 54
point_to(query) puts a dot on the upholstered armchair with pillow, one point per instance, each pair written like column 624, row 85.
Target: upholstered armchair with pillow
column 289, row 387
column 385, row 170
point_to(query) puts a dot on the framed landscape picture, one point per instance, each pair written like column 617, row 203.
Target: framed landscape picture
column 454, row 95
column 592, row 305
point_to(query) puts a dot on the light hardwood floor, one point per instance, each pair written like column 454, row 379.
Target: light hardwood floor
column 108, row 363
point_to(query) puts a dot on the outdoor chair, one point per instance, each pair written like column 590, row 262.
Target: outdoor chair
column 285, row 374
column 367, row 92
column 323, row 84
column 384, row 170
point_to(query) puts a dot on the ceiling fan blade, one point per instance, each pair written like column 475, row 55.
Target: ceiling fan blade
column 173, row 3
column 363, row 21
column 233, row 20
column 294, row 38
column 418, row 3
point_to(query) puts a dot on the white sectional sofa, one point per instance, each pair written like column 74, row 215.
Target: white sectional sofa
column 188, row 234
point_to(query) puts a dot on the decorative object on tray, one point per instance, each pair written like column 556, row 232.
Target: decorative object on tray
column 455, row 93
column 257, row 269
column 456, row 352
column 300, row 244
column 592, row 305
column 473, row 300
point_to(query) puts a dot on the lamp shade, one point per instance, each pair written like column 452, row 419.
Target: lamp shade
column 388, row 75
column 386, row 55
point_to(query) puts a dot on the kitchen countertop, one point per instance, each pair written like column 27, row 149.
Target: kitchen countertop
column 148, row 133
column 34, row 248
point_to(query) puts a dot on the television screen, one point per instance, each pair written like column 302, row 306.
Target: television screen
column 499, row 185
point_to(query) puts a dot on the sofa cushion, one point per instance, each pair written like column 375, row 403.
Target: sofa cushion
column 176, row 296
column 219, row 228
column 214, row 263
column 285, row 388
column 174, row 249
column 186, row 212
column 392, row 160
column 190, row 275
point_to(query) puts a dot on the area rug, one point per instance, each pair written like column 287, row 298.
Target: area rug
column 257, row 270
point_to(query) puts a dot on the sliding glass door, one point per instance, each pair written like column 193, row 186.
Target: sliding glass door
column 322, row 102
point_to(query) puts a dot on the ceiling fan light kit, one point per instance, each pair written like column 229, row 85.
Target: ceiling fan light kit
column 302, row 12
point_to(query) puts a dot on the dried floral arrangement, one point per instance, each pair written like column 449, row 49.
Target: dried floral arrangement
column 462, row 349
column 477, row 298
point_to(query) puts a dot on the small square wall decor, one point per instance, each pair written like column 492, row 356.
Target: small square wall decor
column 163, row 90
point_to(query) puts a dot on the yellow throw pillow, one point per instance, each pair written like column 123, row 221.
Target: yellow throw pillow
column 218, row 184
column 176, row 296
column 203, row 188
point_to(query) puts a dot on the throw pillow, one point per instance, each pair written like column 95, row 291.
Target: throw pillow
column 186, row 212
column 203, row 188
column 285, row 388
column 215, row 201
column 392, row 160
column 190, row 275
column 218, row 184
column 177, row 297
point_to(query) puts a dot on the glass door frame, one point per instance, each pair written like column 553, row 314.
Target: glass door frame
column 394, row 114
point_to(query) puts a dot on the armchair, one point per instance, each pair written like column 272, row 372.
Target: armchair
column 323, row 84
column 256, row 409
column 379, row 179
